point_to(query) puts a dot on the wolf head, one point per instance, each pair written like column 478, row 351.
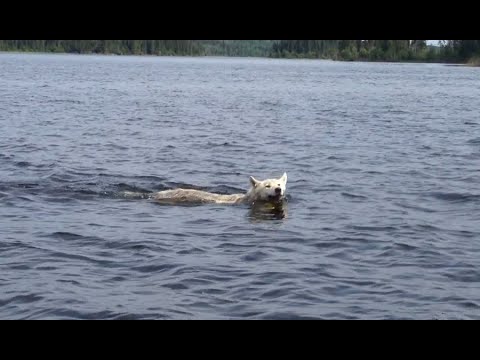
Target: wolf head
column 269, row 189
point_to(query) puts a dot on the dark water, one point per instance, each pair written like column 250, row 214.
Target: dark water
column 383, row 211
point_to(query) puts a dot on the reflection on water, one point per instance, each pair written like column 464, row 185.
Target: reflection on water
column 257, row 211
column 268, row 211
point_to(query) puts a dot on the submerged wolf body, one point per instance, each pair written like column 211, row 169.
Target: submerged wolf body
column 269, row 190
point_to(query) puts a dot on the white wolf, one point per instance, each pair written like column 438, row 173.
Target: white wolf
column 269, row 190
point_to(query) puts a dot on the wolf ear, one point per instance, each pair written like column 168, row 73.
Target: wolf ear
column 284, row 177
column 253, row 181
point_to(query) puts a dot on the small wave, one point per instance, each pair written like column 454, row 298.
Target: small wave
column 404, row 246
column 150, row 178
column 373, row 228
column 23, row 164
column 68, row 101
column 62, row 178
column 349, row 195
column 69, row 236
column 21, row 299
column 475, row 141
column 64, row 313
column 25, row 198
column 176, row 286
column 415, row 207
column 226, row 143
column 270, row 103
column 255, row 256
column 468, row 276
column 288, row 316
column 60, row 199
column 27, row 185
column 455, row 197
column 132, row 188
column 427, row 227
column 155, row 268
column 66, row 236
column 85, row 192
column 116, row 146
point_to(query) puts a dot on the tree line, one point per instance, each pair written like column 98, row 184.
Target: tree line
column 347, row 50
column 118, row 47
column 144, row 47
column 379, row 50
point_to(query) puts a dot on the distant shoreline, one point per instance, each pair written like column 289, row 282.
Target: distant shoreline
column 475, row 62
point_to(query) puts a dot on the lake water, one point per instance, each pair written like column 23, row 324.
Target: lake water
column 382, row 214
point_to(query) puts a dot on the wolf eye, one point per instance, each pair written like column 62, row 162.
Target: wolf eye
column 268, row 185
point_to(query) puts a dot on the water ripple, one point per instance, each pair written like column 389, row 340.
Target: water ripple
column 381, row 216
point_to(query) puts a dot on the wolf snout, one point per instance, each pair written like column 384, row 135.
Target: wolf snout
column 278, row 190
